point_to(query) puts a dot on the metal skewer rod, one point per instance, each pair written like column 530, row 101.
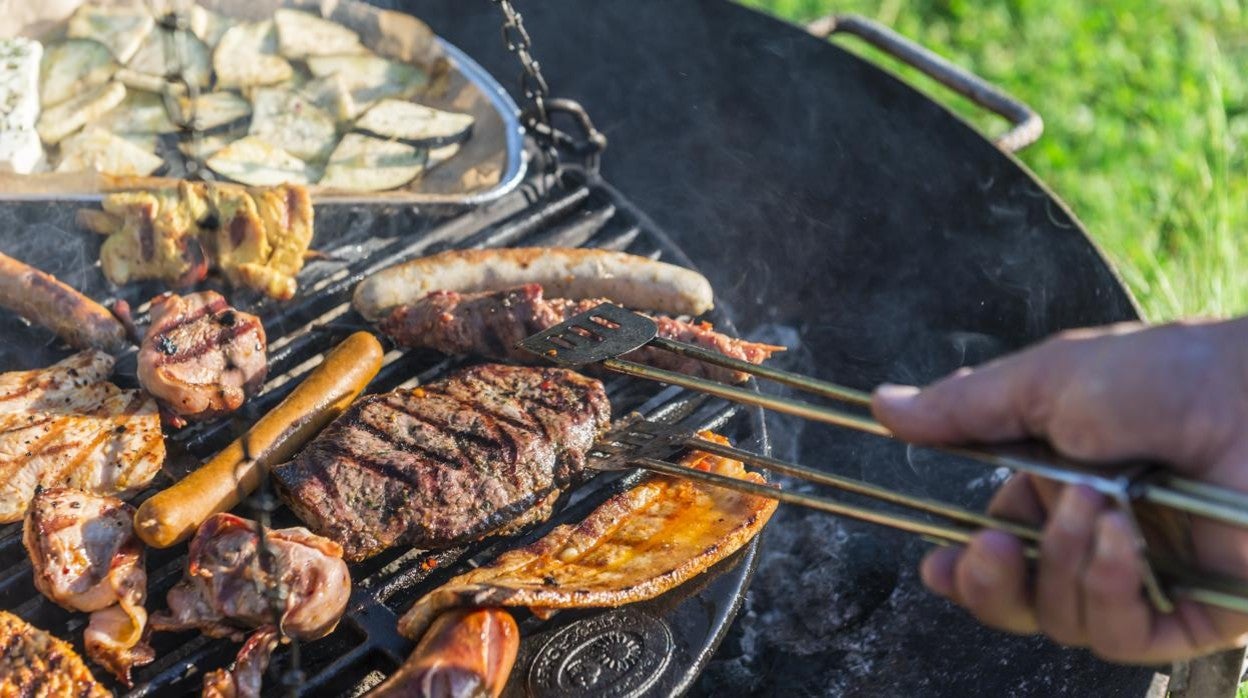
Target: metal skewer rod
column 1180, row 494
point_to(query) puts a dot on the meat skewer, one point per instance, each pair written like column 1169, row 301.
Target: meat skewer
column 491, row 324
column 87, row 558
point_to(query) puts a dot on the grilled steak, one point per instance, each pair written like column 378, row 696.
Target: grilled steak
column 447, row 462
column 492, row 323
column 34, row 663
column 67, row 426
column 201, row 358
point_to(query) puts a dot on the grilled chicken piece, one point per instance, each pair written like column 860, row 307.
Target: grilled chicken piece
column 448, row 462
column 223, row 592
column 633, row 547
column 491, row 324
column 201, row 358
column 66, row 426
column 256, row 237
column 34, row 663
column 87, row 558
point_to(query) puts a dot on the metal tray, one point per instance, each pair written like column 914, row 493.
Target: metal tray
column 489, row 164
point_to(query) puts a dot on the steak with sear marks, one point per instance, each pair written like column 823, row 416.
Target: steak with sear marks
column 449, row 462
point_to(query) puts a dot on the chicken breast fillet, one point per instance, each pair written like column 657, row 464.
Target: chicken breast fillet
column 34, row 663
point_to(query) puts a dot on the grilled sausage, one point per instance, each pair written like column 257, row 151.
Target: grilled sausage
column 464, row 653
column 41, row 298
column 173, row 514
column 630, row 280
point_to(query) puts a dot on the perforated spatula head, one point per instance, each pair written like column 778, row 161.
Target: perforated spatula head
column 604, row 332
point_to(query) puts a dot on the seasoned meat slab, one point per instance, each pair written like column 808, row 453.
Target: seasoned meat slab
column 202, row 358
column 491, row 324
column 34, row 663
column 448, row 462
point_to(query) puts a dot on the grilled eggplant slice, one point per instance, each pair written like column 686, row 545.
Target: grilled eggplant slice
column 330, row 93
column 414, row 123
column 69, row 116
column 98, row 149
column 122, row 28
column 162, row 49
column 257, row 162
column 207, row 25
column 369, row 77
column 207, row 144
column 290, row 121
column 246, row 55
column 73, row 66
column 139, row 112
column 362, row 163
column 633, row 547
column 301, row 34
column 213, row 110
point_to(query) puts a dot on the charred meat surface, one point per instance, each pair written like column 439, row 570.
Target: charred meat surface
column 245, row 677
column 202, row 358
column 223, row 591
column 448, row 462
column 34, row 663
column 67, row 426
column 86, row 558
column 491, row 324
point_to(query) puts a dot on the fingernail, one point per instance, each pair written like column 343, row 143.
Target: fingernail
column 983, row 570
column 1115, row 541
column 895, row 394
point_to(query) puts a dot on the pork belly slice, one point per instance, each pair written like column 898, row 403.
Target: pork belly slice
column 491, row 324
column 86, row 558
column 448, row 462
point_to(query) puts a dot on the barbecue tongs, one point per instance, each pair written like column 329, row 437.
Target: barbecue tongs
column 603, row 334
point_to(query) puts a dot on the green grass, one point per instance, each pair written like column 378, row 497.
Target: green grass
column 1146, row 122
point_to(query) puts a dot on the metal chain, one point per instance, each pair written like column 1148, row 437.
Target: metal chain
column 178, row 89
column 536, row 117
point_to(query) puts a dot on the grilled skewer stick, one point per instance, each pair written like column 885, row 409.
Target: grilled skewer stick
column 603, row 334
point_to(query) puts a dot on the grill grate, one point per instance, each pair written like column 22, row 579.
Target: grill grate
column 366, row 647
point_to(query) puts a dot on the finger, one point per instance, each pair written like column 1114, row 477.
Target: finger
column 990, row 580
column 1018, row 500
column 936, row 571
column 1004, row 400
column 1119, row 618
column 1064, row 551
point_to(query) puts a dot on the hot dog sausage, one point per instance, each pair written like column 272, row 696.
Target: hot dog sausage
column 43, row 299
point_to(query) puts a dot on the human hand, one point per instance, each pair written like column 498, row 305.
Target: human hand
column 1175, row 394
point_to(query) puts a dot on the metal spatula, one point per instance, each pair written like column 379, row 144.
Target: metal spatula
column 603, row 334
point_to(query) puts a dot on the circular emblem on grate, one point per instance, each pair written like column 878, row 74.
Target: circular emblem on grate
column 615, row 654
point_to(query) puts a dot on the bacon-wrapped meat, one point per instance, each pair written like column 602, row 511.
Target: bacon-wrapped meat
column 87, row 558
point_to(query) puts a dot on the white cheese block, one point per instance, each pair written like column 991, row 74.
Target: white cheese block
column 247, row 55
column 362, row 163
column 302, row 34
column 63, row 119
column 21, row 151
column 258, row 163
column 19, row 83
column 407, row 121
column 292, row 122
column 122, row 28
column 97, row 149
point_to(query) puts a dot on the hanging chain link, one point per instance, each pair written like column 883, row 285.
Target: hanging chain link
column 536, row 117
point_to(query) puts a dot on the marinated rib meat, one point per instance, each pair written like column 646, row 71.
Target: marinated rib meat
column 34, row 663
column 223, row 592
column 448, row 462
column 201, row 358
column 87, row 558
column 66, row 426
column 491, row 324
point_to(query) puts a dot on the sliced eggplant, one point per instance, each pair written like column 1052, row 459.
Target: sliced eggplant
column 414, row 123
column 207, row 25
column 364, row 163
column 369, row 77
column 204, row 145
column 63, row 119
column 122, row 28
column 139, row 112
column 212, row 110
column 254, row 161
column 302, row 34
column 441, row 154
column 162, row 49
column 246, row 55
column 330, row 93
column 293, row 123
column 73, row 66
column 102, row 151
